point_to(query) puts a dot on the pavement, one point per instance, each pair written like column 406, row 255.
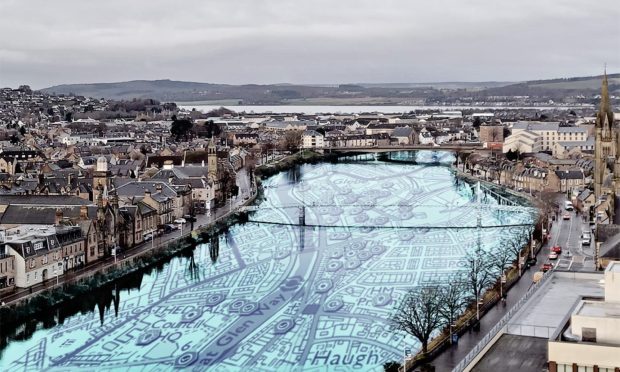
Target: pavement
column 506, row 355
column 101, row 265
column 566, row 233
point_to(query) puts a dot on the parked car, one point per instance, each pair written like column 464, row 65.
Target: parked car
column 557, row 249
column 180, row 221
column 148, row 236
column 566, row 216
column 553, row 256
column 546, row 267
column 168, row 228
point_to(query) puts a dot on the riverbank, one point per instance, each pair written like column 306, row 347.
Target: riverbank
column 291, row 161
column 443, row 343
column 26, row 304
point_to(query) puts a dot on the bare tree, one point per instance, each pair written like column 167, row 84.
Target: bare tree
column 292, row 140
column 453, row 300
column 514, row 244
column 479, row 276
column 418, row 314
column 502, row 259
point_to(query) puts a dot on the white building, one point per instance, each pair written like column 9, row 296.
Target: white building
column 37, row 258
column 522, row 141
column 591, row 341
column 551, row 132
column 425, row 137
column 312, row 139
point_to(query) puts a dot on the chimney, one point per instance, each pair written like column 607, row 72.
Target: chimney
column 158, row 187
column 83, row 212
column 58, row 216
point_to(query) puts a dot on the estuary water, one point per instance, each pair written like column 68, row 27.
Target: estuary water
column 385, row 109
column 273, row 295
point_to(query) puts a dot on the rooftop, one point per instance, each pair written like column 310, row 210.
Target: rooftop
column 546, row 309
column 614, row 267
column 599, row 309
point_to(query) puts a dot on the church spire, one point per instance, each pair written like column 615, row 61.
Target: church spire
column 605, row 116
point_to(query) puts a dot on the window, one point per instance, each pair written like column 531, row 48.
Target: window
column 588, row 334
column 35, row 275
column 32, row 263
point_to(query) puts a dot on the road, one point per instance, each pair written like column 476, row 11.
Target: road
column 567, row 234
column 201, row 220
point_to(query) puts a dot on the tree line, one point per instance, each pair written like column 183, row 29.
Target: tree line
column 427, row 309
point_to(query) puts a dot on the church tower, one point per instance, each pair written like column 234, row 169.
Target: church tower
column 212, row 159
column 606, row 144
column 101, row 180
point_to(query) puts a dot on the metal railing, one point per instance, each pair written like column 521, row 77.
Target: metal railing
column 500, row 325
column 530, row 330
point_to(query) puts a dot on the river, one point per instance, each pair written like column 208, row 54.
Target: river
column 275, row 296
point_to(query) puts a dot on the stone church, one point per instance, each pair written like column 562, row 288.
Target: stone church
column 607, row 156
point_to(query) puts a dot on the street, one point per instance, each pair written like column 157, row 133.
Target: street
column 567, row 234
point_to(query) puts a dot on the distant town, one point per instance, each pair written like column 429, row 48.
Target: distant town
column 85, row 176
column 86, row 182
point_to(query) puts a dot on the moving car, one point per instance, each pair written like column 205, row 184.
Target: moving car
column 557, row 249
column 566, row 216
column 553, row 256
column 180, row 221
column 586, row 238
column 546, row 267
column 568, row 205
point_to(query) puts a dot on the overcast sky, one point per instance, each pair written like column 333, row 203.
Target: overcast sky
column 47, row 42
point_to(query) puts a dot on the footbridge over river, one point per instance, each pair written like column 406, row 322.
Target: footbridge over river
column 486, row 205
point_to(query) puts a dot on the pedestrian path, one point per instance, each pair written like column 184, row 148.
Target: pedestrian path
column 447, row 360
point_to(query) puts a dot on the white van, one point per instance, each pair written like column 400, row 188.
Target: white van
column 568, row 205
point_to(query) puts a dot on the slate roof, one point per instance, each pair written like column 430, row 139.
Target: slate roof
column 569, row 174
column 537, row 126
column 50, row 200
column 137, row 188
column 41, row 215
column 402, row 132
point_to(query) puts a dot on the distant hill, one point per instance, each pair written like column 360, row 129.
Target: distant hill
column 357, row 93
column 558, row 87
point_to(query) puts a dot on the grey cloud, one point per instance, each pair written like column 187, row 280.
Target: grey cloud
column 266, row 41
